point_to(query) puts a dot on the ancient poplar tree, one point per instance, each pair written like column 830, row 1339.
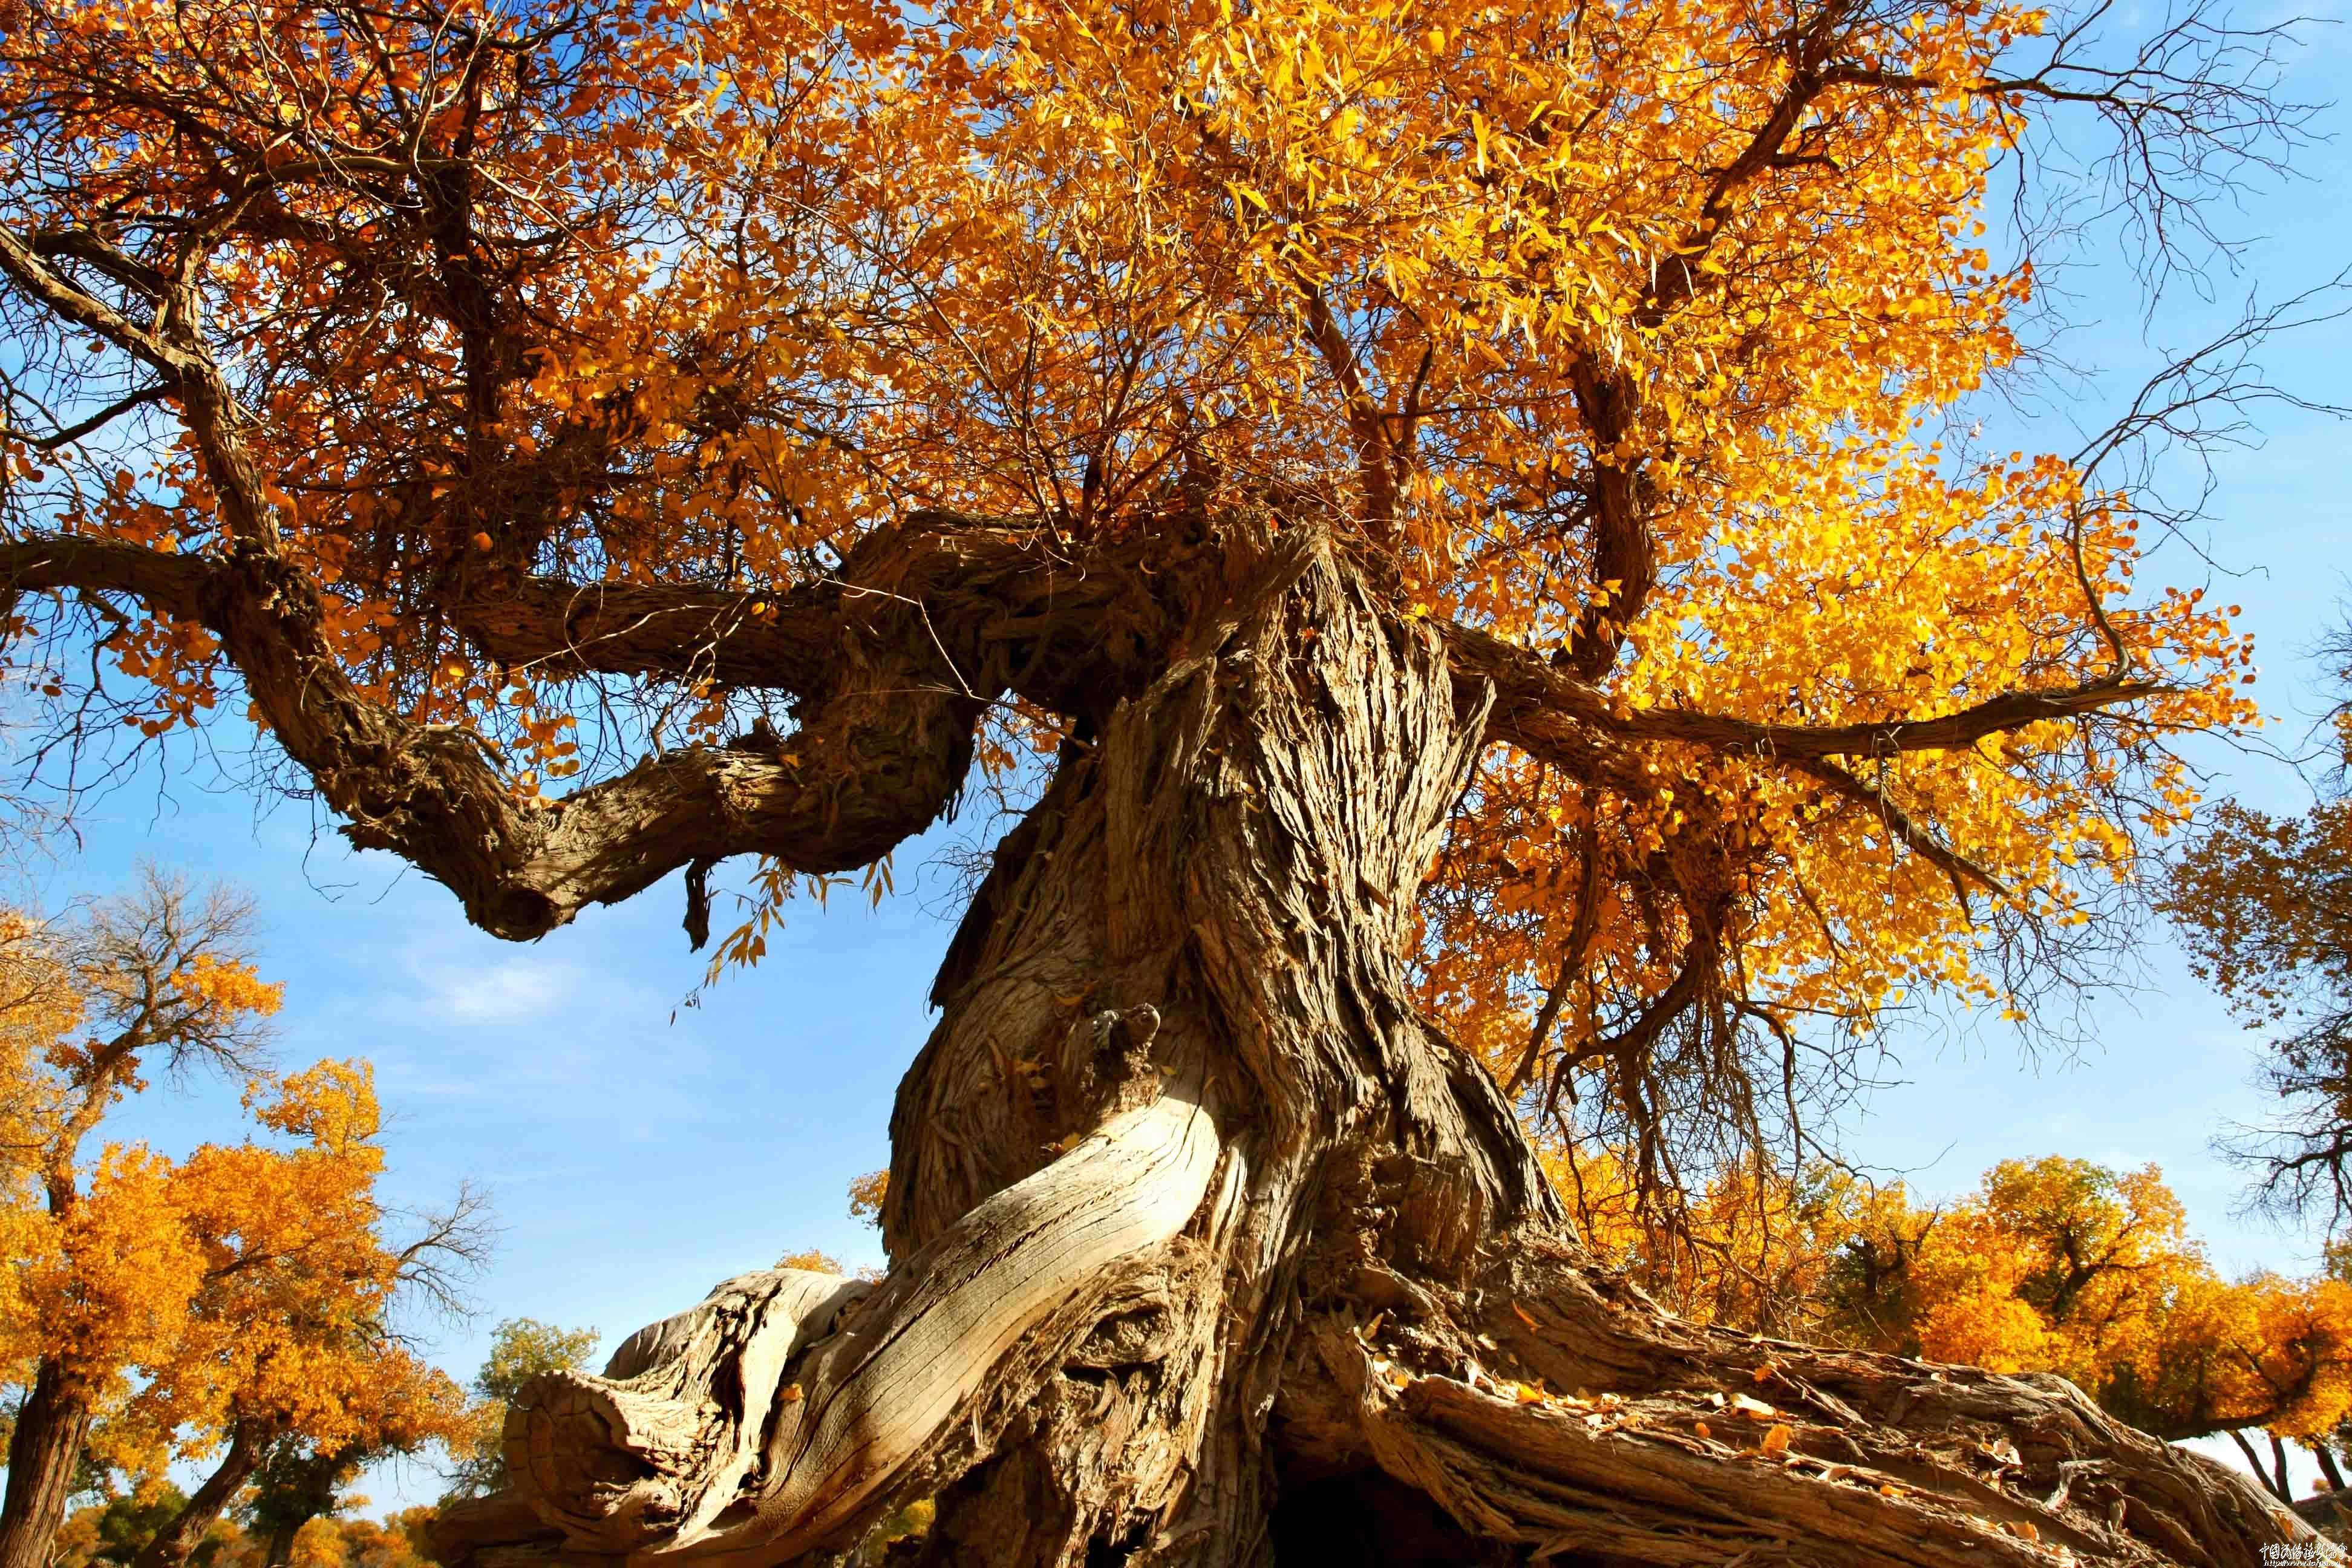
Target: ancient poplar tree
column 1449, row 493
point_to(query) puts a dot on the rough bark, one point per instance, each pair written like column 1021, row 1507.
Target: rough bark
column 890, row 664
column 1209, row 1249
column 51, row 1427
column 1543, row 1407
column 1201, row 1230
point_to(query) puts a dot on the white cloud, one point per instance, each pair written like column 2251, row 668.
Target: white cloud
column 502, row 991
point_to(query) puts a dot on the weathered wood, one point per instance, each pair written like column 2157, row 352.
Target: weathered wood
column 1200, row 1228
column 1540, row 1407
column 651, row 1459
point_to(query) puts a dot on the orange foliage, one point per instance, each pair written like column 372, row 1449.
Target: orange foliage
column 323, row 1542
column 1751, row 1249
column 812, row 1260
column 2051, row 1265
column 762, row 281
column 866, row 1196
column 247, row 1283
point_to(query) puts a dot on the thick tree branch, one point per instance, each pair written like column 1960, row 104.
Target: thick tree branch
column 1375, row 460
column 170, row 1545
column 1002, row 595
column 29, row 272
column 1551, row 714
column 1625, row 550
column 972, row 586
column 881, row 752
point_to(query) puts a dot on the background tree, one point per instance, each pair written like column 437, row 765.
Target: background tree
column 397, row 1407
column 327, row 1541
column 2264, row 903
column 300, row 1482
column 2058, row 1265
column 2054, row 1265
column 116, row 1529
column 205, row 1307
column 1453, row 492
column 1755, row 1248
column 100, row 1271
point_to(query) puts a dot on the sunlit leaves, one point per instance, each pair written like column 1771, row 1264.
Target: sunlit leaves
column 1636, row 337
column 247, row 1282
column 2049, row 1265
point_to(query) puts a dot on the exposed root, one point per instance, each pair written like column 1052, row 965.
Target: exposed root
column 776, row 1414
column 1553, row 1416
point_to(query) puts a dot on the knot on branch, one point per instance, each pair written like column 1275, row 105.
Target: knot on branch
column 604, row 1462
column 1108, row 1066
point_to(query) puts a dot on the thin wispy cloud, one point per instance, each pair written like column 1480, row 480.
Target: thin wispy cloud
column 511, row 991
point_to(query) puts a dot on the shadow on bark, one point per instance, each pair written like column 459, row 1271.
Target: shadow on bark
column 1209, row 1249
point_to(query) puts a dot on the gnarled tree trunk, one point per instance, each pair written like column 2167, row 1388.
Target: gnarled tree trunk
column 1211, row 1250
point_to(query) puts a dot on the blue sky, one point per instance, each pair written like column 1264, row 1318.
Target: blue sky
column 638, row 1152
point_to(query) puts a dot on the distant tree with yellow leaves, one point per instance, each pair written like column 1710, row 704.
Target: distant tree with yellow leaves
column 116, row 1530
column 205, row 1308
column 2060, row 1265
column 2053, row 1264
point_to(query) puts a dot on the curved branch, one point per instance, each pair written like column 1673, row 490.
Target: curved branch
column 778, row 1466
column 995, row 605
column 881, row 752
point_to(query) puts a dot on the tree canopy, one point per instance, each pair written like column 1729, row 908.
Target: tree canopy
column 2052, row 1264
column 539, row 369
column 1471, row 518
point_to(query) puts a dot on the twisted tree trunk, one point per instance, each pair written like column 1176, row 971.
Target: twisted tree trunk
column 1211, row 1250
